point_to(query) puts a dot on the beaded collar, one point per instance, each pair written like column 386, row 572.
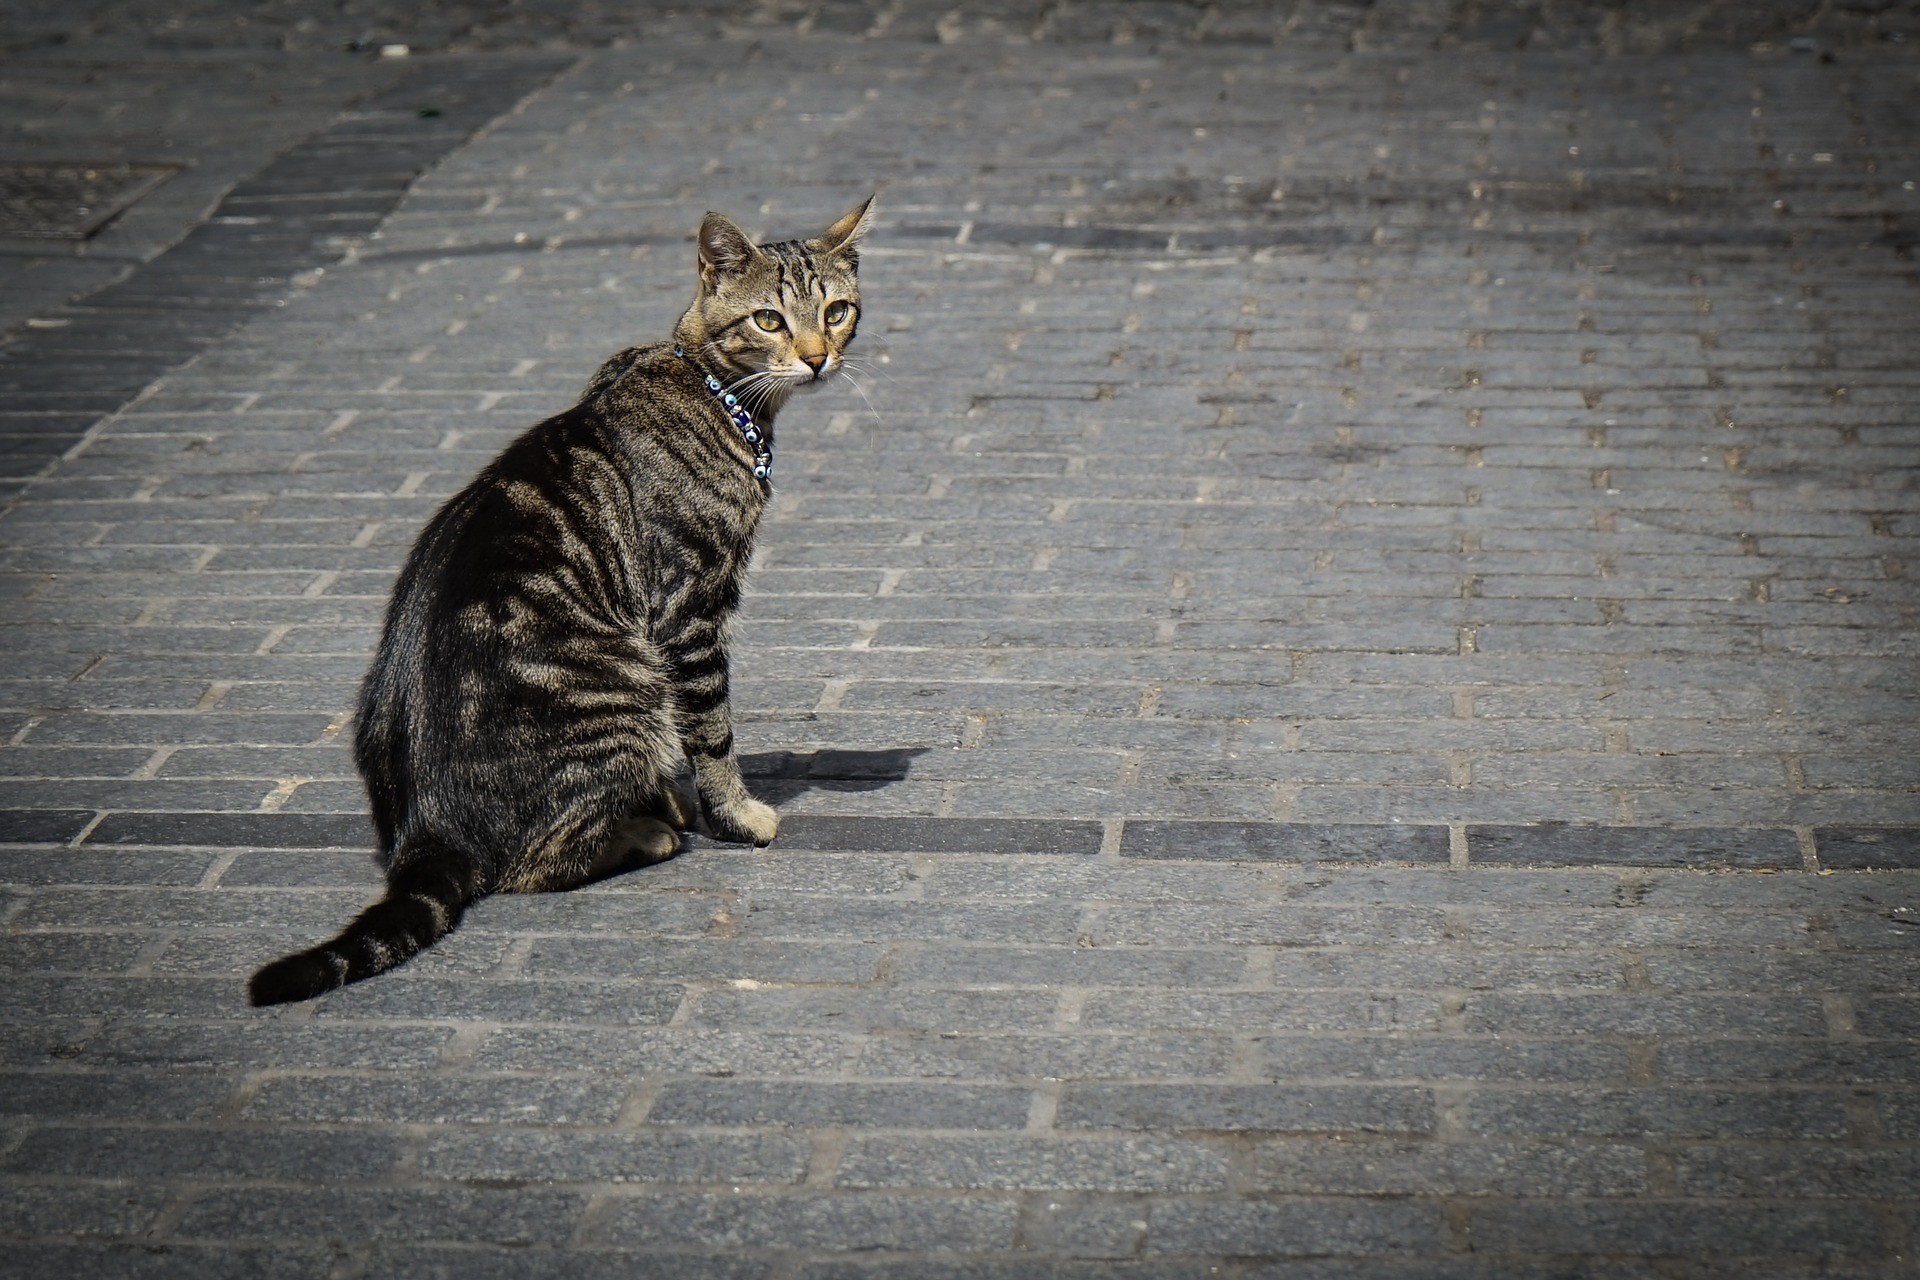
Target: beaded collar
column 755, row 438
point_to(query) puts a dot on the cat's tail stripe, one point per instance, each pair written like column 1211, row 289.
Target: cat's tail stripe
column 425, row 899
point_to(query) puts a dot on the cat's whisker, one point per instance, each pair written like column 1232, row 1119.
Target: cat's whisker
column 867, row 367
column 863, row 395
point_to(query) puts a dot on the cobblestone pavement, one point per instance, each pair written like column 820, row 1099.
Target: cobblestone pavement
column 1343, row 683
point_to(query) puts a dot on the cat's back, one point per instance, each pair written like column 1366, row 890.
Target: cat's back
column 597, row 504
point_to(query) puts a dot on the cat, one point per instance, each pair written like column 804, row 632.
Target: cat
column 555, row 648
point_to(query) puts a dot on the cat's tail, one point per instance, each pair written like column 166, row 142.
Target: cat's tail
column 426, row 896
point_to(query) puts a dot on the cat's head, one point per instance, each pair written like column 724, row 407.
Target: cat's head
column 784, row 311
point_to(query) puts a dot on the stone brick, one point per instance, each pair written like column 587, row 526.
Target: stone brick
column 1317, row 1166
column 1294, row 1227
column 1415, row 1058
column 1284, row 842
column 548, row 1156
column 493, row 1216
column 202, row 1153
column 839, row 1221
column 1680, row 1229
column 659, row 1051
column 377, row 1100
column 1047, row 1057
column 1253, row 1012
column 428, row 1262
column 941, row 835
column 1268, row 1107
column 1044, row 1164
column 1552, row 845
column 1862, row 848
column 1689, row 1113
column 824, row 1105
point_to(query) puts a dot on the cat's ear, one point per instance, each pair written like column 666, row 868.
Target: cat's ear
column 844, row 235
column 724, row 247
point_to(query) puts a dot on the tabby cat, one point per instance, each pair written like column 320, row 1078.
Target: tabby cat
column 555, row 650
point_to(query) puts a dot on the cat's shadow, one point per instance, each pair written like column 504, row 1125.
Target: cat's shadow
column 778, row 776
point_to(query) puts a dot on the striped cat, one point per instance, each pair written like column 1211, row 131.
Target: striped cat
column 555, row 649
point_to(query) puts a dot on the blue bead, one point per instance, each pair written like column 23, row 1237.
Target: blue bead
column 762, row 472
column 713, row 383
column 752, row 434
column 741, row 419
column 729, row 401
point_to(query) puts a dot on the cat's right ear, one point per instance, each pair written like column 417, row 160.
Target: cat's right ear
column 724, row 248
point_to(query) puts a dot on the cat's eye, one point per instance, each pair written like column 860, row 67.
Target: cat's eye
column 769, row 320
column 836, row 312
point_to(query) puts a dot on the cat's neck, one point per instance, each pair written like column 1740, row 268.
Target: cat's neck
column 768, row 395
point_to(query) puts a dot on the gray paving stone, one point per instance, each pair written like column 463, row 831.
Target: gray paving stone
column 1630, row 1014
column 73, row 952
column 940, row 835
column 1887, row 1174
column 1681, row 1230
column 227, row 830
column 169, row 1262
column 1284, row 842
column 66, row 1210
column 120, row 1095
column 1258, row 1011
column 501, row 1001
column 1076, row 966
column 661, row 1051
column 746, row 960
column 1868, row 848
column 202, row 1153
column 1683, row 1113
column 1835, row 1061
column 1427, row 1057
column 86, row 866
column 1013, row 1163
column 883, row 921
column 950, row 1055
column 1323, row 1167
column 821, row 1105
column 504, row 1156
column 839, row 1222
column 518, row 1216
column 1227, row 1107
column 862, row 1009
column 1004, row 1268
column 442, row 1263
column 42, row 826
column 1559, row 845
column 1294, row 1227
column 1286, row 925
column 372, row 1100
column 258, row 1043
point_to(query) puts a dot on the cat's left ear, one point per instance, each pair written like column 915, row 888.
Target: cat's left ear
column 843, row 237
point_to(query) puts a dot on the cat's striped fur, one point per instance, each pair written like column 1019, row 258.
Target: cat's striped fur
column 555, row 649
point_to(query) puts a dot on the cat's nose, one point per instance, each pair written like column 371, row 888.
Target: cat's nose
column 815, row 363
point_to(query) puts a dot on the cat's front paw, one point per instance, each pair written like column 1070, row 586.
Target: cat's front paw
column 746, row 821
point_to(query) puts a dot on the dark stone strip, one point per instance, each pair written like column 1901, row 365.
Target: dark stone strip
column 1868, row 848
column 42, row 826
column 1284, row 842
column 236, row 830
column 1557, row 844
column 294, row 215
column 941, row 835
